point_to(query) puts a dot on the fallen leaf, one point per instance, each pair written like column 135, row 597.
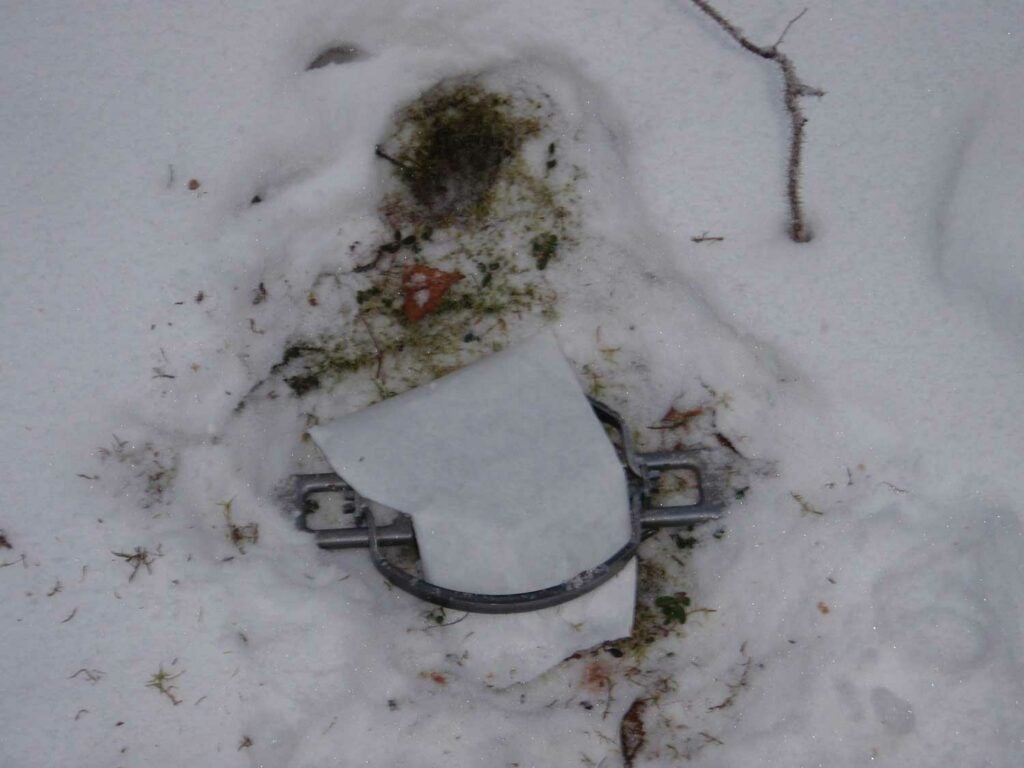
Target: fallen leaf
column 424, row 288
column 632, row 733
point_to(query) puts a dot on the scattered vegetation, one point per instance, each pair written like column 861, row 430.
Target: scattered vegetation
column 146, row 465
column 471, row 224
column 91, row 675
column 435, row 677
column 704, row 237
column 438, row 617
column 684, row 542
column 806, row 508
column 162, row 682
column 659, row 612
column 342, row 53
column 673, row 607
column 740, row 683
column 239, row 535
column 9, row 563
column 140, row 558
column 544, row 248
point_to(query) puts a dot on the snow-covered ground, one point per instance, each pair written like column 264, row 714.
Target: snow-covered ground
column 857, row 398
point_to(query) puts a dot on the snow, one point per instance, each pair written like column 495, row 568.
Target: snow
column 862, row 604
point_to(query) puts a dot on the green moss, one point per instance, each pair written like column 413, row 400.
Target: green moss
column 303, row 383
column 457, row 138
column 363, row 296
column 647, row 629
column 544, row 248
column 684, row 542
column 673, row 607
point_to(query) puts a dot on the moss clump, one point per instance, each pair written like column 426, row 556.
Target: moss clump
column 544, row 248
column 302, row 383
column 673, row 607
column 456, row 140
column 307, row 366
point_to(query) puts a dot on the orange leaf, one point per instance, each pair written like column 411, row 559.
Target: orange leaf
column 424, row 289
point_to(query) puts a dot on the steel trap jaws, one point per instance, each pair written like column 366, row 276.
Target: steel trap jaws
column 643, row 473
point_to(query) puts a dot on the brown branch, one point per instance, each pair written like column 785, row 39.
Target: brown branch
column 794, row 89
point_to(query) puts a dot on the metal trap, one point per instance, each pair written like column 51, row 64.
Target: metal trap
column 645, row 475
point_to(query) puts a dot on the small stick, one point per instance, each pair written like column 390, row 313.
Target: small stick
column 795, row 88
column 376, row 346
column 704, row 237
column 379, row 152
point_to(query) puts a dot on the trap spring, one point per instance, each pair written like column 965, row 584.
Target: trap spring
column 643, row 471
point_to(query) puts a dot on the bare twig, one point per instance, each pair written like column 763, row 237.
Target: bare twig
column 92, row 675
column 806, row 508
column 894, row 488
column 739, row 684
column 379, row 152
column 376, row 346
column 440, row 624
column 794, row 89
column 238, row 534
column 792, row 21
column 704, row 237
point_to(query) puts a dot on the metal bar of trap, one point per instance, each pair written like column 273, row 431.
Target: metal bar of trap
column 400, row 533
column 642, row 472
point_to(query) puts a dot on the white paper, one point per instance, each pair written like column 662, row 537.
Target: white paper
column 512, row 486
column 510, row 480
